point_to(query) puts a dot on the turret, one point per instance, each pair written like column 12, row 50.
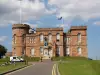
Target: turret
column 19, row 32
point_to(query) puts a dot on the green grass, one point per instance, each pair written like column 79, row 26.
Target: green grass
column 68, row 58
column 11, row 67
column 5, row 59
column 78, row 66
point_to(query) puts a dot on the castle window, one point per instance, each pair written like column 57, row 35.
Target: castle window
column 68, row 40
column 41, row 50
column 79, row 37
column 58, row 51
column 50, row 37
column 58, row 36
column 41, row 37
column 79, row 51
column 45, row 41
column 67, row 51
column 32, row 52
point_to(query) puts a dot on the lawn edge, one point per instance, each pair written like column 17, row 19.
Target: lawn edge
column 10, row 71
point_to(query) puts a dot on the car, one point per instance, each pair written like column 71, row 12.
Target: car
column 16, row 59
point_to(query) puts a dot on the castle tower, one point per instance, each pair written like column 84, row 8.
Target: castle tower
column 76, row 41
column 19, row 32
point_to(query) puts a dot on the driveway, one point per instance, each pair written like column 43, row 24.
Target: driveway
column 39, row 68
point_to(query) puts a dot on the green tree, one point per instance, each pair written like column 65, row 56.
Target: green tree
column 3, row 50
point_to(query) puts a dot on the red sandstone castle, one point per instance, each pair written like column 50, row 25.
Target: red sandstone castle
column 49, row 42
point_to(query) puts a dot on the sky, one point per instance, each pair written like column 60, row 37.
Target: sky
column 45, row 13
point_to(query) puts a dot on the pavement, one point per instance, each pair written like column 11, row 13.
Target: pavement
column 38, row 68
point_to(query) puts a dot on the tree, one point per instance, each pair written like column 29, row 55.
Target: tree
column 3, row 50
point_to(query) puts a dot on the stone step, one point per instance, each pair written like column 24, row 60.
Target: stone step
column 46, row 57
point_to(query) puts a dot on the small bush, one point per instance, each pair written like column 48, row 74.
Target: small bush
column 30, row 59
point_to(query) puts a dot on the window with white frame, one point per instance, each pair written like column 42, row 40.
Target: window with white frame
column 68, row 40
column 79, row 51
column 50, row 37
column 79, row 37
column 41, row 50
column 67, row 51
column 32, row 52
column 41, row 37
column 58, row 36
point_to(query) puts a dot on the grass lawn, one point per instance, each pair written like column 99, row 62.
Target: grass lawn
column 79, row 67
column 11, row 67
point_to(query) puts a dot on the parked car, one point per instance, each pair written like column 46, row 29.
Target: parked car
column 16, row 59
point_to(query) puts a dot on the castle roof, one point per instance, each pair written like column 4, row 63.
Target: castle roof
column 20, row 26
column 78, row 27
column 50, row 29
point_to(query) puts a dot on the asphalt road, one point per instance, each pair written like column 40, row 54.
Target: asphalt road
column 40, row 68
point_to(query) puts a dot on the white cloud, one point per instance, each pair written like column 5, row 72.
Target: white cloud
column 85, row 9
column 3, row 38
column 10, row 11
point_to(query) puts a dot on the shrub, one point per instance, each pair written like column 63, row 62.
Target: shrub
column 30, row 59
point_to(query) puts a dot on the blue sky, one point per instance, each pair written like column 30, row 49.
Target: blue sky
column 44, row 13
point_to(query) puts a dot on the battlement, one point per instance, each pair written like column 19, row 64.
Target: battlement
column 49, row 29
column 78, row 27
column 20, row 26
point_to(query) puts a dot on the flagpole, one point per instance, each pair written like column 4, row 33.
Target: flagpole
column 20, row 12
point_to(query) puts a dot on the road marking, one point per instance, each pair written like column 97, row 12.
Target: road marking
column 54, row 69
column 20, row 69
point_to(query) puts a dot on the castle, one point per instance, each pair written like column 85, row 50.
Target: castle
column 49, row 42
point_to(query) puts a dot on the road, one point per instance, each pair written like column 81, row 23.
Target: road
column 40, row 68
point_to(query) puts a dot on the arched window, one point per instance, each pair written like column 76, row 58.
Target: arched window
column 79, row 51
column 41, row 50
column 41, row 37
column 32, row 52
column 67, row 51
column 58, row 51
column 58, row 36
column 79, row 37
column 50, row 37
